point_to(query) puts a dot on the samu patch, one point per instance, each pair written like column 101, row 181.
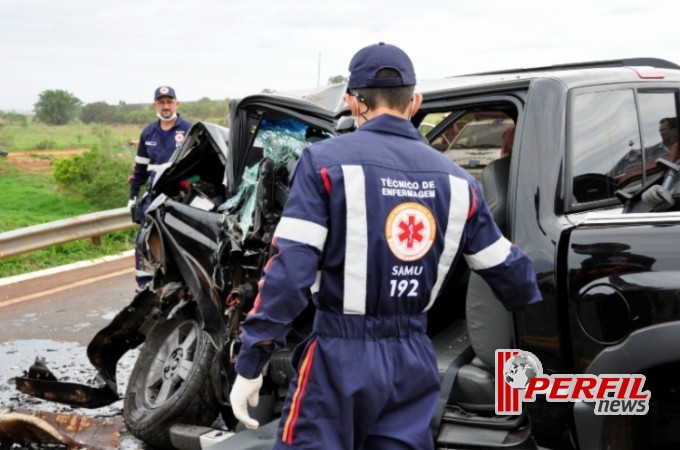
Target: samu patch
column 410, row 230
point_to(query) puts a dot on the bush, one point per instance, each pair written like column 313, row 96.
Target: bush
column 70, row 171
column 45, row 145
column 99, row 176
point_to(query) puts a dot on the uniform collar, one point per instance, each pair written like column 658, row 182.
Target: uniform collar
column 387, row 123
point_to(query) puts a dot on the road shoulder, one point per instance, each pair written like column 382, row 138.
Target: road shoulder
column 26, row 285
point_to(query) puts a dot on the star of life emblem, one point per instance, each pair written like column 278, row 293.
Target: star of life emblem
column 410, row 230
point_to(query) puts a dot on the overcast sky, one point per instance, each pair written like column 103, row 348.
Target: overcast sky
column 122, row 50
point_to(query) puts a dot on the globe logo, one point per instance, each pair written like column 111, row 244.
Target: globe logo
column 520, row 369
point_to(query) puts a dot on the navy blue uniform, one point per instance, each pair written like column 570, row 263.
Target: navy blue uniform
column 374, row 223
column 154, row 150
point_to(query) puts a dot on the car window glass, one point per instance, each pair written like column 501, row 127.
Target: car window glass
column 472, row 139
column 659, row 120
column 605, row 141
column 659, row 128
column 442, row 138
column 607, row 147
column 654, row 106
column 277, row 146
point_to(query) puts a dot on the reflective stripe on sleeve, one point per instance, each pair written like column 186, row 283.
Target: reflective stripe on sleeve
column 302, row 231
column 491, row 256
column 356, row 250
column 459, row 205
column 142, row 160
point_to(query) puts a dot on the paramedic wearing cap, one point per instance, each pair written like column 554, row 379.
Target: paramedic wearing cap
column 157, row 142
column 374, row 222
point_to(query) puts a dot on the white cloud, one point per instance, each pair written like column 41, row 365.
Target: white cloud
column 113, row 51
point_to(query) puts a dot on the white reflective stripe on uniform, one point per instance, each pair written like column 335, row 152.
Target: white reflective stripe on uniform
column 491, row 256
column 459, row 206
column 356, row 243
column 317, row 283
column 302, row 231
column 156, row 167
column 141, row 160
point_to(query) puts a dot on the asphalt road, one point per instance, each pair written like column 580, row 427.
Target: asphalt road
column 69, row 305
column 55, row 316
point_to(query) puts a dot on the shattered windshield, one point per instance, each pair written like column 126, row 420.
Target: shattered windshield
column 280, row 141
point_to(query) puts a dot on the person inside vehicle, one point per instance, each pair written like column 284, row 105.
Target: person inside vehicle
column 374, row 222
column 157, row 142
column 668, row 129
column 670, row 138
column 508, row 139
column 630, row 166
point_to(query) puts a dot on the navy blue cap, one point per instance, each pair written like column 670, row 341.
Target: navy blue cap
column 369, row 60
column 164, row 91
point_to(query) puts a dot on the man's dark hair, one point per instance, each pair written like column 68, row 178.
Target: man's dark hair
column 671, row 121
column 393, row 97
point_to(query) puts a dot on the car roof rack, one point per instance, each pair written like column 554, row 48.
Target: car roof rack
column 653, row 62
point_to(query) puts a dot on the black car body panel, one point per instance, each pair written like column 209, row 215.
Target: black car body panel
column 605, row 280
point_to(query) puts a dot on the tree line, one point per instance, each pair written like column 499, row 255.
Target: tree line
column 60, row 107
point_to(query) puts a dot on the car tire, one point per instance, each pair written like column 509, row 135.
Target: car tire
column 170, row 382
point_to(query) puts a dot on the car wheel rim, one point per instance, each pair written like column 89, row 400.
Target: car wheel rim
column 173, row 364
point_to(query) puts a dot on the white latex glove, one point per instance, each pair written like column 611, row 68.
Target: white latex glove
column 131, row 203
column 245, row 392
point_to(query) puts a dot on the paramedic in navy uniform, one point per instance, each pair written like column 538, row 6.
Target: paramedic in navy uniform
column 158, row 141
column 374, row 222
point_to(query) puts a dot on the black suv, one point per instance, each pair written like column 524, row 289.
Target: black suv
column 587, row 193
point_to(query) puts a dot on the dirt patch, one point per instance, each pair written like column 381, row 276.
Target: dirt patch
column 28, row 162
column 40, row 159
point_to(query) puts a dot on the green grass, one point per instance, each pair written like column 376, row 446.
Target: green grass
column 31, row 197
column 73, row 136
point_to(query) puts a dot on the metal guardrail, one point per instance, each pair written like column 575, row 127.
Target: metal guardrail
column 91, row 225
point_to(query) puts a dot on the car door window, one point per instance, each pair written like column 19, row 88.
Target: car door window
column 614, row 147
column 659, row 120
column 605, row 141
column 471, row 139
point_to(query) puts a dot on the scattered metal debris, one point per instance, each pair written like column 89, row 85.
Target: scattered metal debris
column 68, row 362
column 69, row 430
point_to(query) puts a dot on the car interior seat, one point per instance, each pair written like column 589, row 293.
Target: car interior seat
column 489, row 325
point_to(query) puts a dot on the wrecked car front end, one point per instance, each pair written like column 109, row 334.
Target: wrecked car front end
column 207, row 235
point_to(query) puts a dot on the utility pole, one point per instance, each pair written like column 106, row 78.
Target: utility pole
column 318, row 72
